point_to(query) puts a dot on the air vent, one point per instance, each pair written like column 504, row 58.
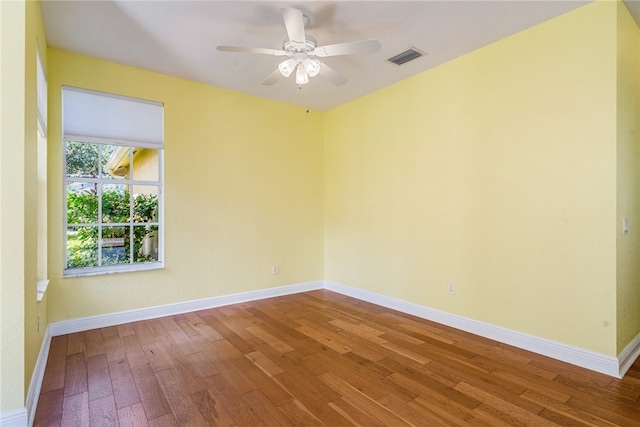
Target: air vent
column 406, row 56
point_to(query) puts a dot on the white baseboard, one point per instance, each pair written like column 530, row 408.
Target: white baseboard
column 15, row 418
column 587, row 359
column 33, row 394
column 629, row 355
column 118, row 318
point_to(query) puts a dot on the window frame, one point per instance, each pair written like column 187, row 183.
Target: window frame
column 99, row 180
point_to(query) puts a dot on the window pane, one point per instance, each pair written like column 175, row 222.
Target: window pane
column 82, row 203
column 115, row 203
column 145, row 244
column 82, row 247
column 81, row 159
column 115, row 245
column 115, row 162
column 145, row 203
column 146, row 164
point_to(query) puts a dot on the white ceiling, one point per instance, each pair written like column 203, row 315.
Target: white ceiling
column 179, row 38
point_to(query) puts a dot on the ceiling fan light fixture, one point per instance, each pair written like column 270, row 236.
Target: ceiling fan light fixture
column 301, row 48
column 302, row 77
column 287, row 67
column 312, row 66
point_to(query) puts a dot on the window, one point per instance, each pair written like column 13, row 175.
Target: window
column 112, row 183
column 41, row 166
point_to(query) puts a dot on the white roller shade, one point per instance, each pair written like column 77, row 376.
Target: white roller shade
column 102, row 117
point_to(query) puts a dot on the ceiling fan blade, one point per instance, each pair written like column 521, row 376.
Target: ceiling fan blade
column 273, row 78
column 294, row 23
column 332, row 75
column 261, row 50
column 364, row 46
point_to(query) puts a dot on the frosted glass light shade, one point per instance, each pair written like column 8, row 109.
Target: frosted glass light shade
column 312, row 66
column 302, row 78
column 287, row 67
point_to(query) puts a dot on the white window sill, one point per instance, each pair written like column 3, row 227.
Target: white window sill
column 95, row 271
column 42, row 288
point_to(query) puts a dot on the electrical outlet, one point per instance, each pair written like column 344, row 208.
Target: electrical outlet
column 451, row 288
column 274, row 269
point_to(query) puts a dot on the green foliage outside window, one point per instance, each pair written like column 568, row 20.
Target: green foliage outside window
column 82, row 241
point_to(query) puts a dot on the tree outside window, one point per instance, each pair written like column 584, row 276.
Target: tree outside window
column 112, row 205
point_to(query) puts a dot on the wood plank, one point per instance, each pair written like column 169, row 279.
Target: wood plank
column 125, row 329
column 157, row 329
column 102, row 412
column 144, row 332
column 133, row 416
column 113, row 346
column 124, row 387
column 405, row 352
column 164, row 421
column 153, row 400
column 359, row 329
column 157, row 357
column 99, row 380
column 267, row 385
column 314, row 395
column 264, row 363
column 528, row 417
column 182, row 407
column 409, row 415
column 351, row 372
column 356, row 416
column 226, row 332
column 271, row 340
column 134, row 351
column 190, row 379
column 299, row 415
column 324, row 339
column 178, row 338
column 222, row 353
column 93, row 342
column 600, row 397
column 201, row 365
column 203, row 328
column 76, row 343
column 231, row 400
column 561, row 413
column 211, row 409
column 54, row 373
column 75, row 379
column 49, row 410
column 360, row 400
column 75, row 410
column 265, row 409
column 607, row 414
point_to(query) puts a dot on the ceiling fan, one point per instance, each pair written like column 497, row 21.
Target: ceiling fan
column 302, row 51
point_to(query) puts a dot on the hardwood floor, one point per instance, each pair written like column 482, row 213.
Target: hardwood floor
column 317, row 358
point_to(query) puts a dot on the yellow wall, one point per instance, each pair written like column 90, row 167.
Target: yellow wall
column 12, row 169
column 628, row 246
column 243, row 191
column 34, row 335
column 21, row 30
column 496, row 172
